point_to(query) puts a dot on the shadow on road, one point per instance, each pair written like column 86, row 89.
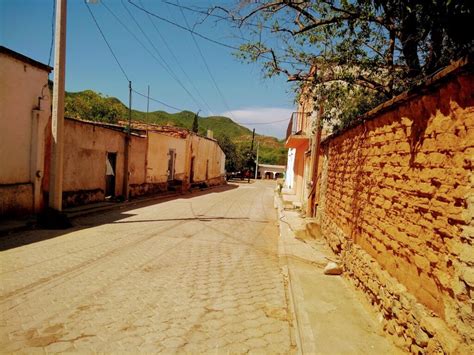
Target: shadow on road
column 115, row 215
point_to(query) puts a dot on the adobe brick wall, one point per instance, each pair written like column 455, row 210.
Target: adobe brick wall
column 396, row 201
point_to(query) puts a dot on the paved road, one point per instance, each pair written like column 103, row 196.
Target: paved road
column 194, row 274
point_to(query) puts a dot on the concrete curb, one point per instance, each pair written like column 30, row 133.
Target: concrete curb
column 304, row 333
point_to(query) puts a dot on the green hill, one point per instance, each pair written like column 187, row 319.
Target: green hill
column 89, row 105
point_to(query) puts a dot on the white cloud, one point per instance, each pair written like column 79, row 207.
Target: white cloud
column 263, row 119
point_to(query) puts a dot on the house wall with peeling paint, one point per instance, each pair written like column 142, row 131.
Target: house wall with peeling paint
column 159, row 146
column 85, row 154
column 209, row 161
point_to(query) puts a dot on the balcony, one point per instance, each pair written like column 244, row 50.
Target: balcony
column 296, row 133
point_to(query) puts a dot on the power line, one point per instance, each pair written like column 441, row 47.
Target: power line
column 206, row 65
column 210, row 14
column 222, row 44
column 121, row 68
column 53, row 17
column 165, row 65
column 183, row 28
column 176, row 60
column 262, row 123
column 158, row 101
column 105, row 40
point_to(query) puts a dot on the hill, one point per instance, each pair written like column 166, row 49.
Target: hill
column 93, row 106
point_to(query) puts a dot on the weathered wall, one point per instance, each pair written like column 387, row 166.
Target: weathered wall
column 23, row 118
column 85, row 153
column 138, row 159
column 396, row 200
column 209, row 160
column 158, row 156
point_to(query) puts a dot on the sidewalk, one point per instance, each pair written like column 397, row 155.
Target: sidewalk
column 331, row 317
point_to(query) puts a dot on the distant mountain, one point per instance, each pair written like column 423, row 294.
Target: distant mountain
column 93, row 106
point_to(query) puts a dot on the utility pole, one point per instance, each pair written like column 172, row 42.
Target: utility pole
column 251, row 152
column 148, row 103
column 310, row 210
column 57, row 123
column 126, row 165
column 256, row 162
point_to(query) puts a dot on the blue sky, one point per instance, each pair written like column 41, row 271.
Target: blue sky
column 25, row 26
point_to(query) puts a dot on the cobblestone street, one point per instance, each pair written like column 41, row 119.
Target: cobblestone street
column 197, row 273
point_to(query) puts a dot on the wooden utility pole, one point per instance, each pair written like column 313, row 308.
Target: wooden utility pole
column 126, row 165
column 251, row 152
column 256, row 162
column 147, row 103
column 57, row 123
column 314, row 165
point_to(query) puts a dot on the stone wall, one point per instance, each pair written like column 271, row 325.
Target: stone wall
column 396, row 201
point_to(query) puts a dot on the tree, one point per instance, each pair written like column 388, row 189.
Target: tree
column 353, row 54
column 89, row 105
column 234, row 160
column 195, row 128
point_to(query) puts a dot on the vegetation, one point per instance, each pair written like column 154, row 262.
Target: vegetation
column 195, row 128
column 233, row 138
column 89, row 105
column 352, row 54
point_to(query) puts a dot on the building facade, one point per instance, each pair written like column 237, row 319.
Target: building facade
column 160, row 158
column 25, row 111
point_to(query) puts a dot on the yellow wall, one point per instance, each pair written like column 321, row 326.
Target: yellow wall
column 22, row 128
column 158, row 149
column 85, row 152
column 207, row 153
column 138, row 159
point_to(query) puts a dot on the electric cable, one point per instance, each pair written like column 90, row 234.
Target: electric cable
column 121, row 67
column 176, row 60
column 207, row 67
column 165, row 65
column 184, row 28
column 262, row 123
column 158, row 101
column 105, row 40
column 53, row 18
column 209, row 39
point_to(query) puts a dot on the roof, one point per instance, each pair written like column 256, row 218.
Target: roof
column 269, row 166
column 177, row 132
column 25, row 59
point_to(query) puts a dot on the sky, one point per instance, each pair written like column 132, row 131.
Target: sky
column 180, row 73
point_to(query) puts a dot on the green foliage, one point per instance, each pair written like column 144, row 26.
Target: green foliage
column 348, row 56
column 234, row 156
column 89, row 105
column 195, row 128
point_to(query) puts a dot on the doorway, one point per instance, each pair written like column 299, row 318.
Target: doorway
column 110, row 165
column 191, row 172
column 171, row 164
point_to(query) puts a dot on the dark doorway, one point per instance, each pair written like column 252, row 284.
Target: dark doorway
column 191, row 172
column 171, row 163
column 110, row 163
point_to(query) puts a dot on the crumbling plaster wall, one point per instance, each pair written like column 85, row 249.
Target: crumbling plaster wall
column 396, row 201
column 85, row 153
column 208, row 157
